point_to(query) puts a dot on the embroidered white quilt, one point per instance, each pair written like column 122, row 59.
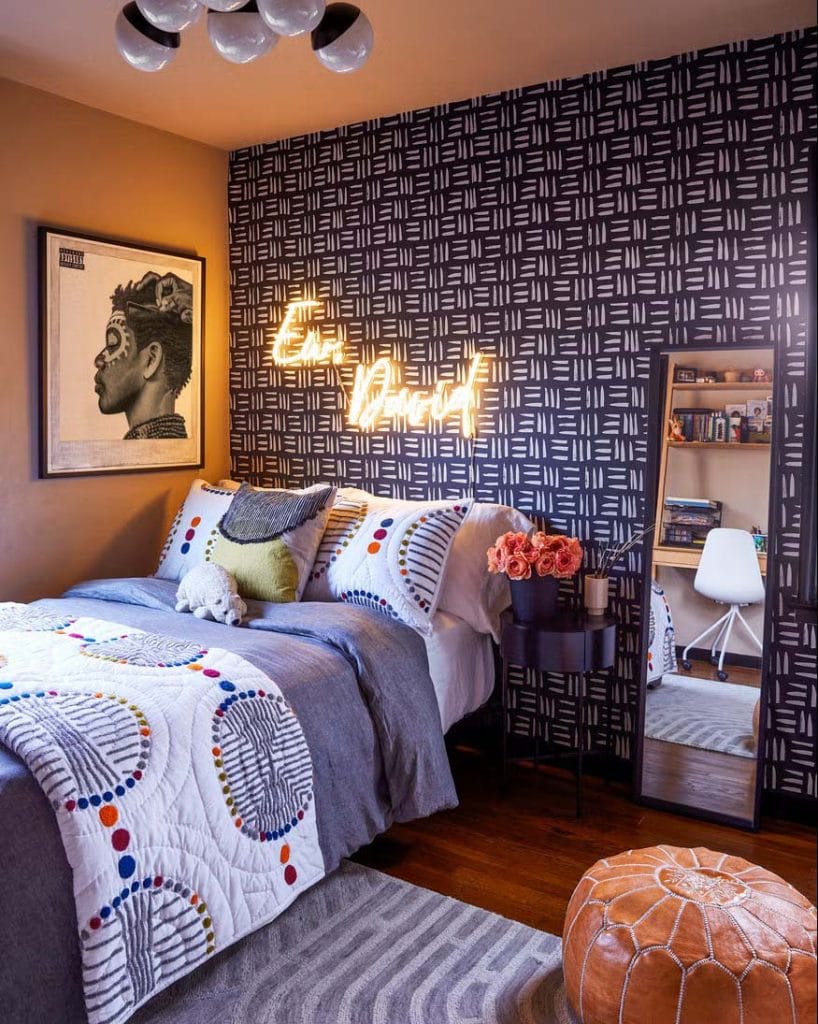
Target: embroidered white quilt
column 183, row 788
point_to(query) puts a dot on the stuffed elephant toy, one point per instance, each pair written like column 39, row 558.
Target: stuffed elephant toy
column 210, row 592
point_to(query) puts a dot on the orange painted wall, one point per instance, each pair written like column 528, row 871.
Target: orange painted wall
column 69, row 165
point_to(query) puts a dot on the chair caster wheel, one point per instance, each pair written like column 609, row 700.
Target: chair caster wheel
column 714, row 661
column 722, row 676
column 687, row 665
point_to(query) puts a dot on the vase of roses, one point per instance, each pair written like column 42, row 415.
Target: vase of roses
column 534, row 564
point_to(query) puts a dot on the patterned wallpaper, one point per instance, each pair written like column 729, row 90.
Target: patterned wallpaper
column 565, row 230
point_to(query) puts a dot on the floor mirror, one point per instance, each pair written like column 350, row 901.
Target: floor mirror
column 705, row 613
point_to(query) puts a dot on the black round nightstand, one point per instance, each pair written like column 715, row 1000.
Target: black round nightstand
column 572, row 643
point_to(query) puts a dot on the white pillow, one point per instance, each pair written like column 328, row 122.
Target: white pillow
column 387, row 555
column 192, row 528
column 346, row 517
column 469, row 590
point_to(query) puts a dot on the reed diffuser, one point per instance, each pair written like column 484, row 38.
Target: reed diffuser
column 596, row 583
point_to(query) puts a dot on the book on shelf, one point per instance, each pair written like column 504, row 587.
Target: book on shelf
column 693, row 502
column 687, row 521
column 703, row 425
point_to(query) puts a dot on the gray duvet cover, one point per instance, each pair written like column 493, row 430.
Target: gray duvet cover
column 360, row 687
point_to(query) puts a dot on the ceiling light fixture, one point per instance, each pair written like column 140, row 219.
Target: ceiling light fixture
column 240, row 36
column 292, row 17
column 148, row 36
column 143, row 45
column 343, row 39
column 170, row 15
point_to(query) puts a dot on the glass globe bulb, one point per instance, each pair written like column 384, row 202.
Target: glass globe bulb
column 240, row 36
column 291, row 17
column 170, row 15
column 344, row 38
column 224, row 6
column 144, row 46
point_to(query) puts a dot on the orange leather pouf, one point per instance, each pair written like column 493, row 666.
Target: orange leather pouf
column 674, row 936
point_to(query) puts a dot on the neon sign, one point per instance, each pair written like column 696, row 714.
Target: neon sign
column 376, row 395
column 295, row 344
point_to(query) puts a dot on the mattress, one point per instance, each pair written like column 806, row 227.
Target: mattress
column 461, row 664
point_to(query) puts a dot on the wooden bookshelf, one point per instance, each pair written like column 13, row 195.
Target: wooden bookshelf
column 682, row 557
column 732, row 445
column 744, row 385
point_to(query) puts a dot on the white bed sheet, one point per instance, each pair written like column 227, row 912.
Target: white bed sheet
column 461, row 664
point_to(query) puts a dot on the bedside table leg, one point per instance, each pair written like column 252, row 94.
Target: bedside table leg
column 504, row 688
column 609, row 740
column 538, row 717
column 580, row 725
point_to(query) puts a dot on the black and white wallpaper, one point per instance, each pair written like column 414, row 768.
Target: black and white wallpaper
column 566, row 231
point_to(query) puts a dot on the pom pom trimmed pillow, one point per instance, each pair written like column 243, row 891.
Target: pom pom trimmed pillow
column 194, row 525
column 389, row 557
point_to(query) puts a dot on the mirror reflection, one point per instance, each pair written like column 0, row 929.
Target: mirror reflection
column 702, row 698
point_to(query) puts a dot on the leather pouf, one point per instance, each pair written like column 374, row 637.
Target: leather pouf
column 674, row 936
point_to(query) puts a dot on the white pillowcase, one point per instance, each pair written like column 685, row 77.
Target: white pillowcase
column 387, row 555
column 469, row 590
column 192, row 528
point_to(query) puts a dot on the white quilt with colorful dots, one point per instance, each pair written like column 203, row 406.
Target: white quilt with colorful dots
column 183, row 788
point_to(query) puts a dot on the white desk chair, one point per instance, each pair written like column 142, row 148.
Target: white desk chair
column 729, row 574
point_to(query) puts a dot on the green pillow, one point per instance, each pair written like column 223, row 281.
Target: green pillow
column 264, row 571
column 268, row 539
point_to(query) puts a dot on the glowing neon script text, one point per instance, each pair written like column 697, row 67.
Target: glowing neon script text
column 297, row 345
column 375, row 397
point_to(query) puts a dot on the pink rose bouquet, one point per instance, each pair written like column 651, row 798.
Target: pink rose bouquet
column 521, row 555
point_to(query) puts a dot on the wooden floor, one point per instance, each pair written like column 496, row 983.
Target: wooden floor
column 520, row 853
column 709, row 779
column 723, row 783
column 735, row 673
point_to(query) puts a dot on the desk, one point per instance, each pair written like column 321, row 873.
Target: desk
column 688, row 558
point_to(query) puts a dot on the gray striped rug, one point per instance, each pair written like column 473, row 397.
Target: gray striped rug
column 702, row 713
column 364, row 948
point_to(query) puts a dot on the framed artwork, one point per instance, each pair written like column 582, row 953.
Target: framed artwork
column 121, row 356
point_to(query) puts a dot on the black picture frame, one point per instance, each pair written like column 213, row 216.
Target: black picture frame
column 155, row 444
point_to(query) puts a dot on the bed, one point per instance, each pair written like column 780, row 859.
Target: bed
column 169, row 785
column 373, row 699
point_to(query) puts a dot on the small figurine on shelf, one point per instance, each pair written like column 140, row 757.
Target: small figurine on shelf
column 676, row 431
column 761, row 376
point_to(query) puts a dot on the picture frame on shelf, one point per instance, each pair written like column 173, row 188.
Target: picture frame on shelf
column 757, row 409
column 684, row 374
column 121, row 356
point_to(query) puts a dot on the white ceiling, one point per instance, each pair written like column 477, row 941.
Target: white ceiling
column 426, row 52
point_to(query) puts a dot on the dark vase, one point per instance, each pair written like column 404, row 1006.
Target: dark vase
column 534, row 599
